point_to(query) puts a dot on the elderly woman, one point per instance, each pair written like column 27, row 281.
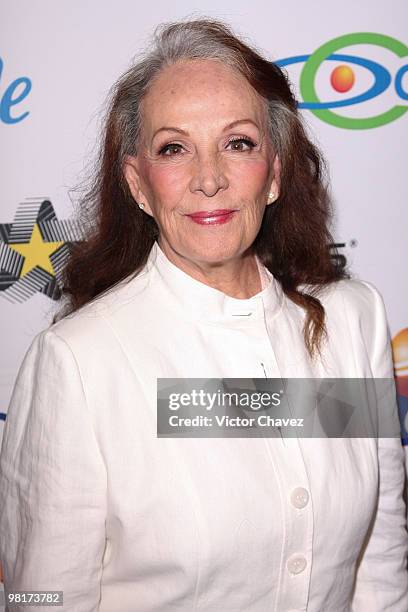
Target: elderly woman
column 208, row 257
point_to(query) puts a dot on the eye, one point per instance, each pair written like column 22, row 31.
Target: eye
column 170, row 149
column 238, row 144
column 241, row 141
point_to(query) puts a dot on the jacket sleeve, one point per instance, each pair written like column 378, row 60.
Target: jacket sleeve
column 382, row 578
column 52, row 481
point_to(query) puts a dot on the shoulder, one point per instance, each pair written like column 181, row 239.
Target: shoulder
column 357, row 300
column 357, row 294
column 90, row 328
column 354, row 298
column 355, row 310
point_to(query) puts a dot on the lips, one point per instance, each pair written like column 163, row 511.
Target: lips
column 213, row 217
column 212, row 213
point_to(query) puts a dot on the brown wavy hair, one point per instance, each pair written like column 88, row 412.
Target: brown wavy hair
column 294, row 241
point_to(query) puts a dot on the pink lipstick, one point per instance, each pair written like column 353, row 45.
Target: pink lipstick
column 212, row 217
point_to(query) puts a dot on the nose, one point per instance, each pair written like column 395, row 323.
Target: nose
column 208, row 175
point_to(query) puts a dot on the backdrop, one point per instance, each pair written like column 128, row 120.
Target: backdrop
column 348, row 63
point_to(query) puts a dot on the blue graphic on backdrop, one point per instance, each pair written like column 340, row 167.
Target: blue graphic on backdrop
column 403, row 415
column 381, row 83
column 16, row 91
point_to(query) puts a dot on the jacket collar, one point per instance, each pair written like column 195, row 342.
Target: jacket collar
column 200, row 301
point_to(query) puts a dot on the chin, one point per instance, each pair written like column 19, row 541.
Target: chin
column 216, row 253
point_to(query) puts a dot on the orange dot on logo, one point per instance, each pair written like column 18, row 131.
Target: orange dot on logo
column 400, row 355
column 400, row 352
column 342, row 78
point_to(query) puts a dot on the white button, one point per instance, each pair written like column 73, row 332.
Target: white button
column 299, row 497
column 296, row 564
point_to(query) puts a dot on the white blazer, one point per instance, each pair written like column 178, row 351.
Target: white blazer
column 93, row 503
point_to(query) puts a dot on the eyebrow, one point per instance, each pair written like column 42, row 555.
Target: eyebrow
column 227, row 127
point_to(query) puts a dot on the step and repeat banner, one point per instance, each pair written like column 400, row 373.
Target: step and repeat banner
column 348, row 63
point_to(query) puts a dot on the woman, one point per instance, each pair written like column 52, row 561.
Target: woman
column 208, row 258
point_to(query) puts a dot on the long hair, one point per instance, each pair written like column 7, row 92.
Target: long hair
column 294, row 240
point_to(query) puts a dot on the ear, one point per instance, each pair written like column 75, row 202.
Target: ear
column 275, row 184
column 132, row 176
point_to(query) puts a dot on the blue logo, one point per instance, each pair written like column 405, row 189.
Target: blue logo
column 14, row 94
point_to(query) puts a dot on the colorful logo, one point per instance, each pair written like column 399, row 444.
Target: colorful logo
column 400, row 354
column 342, row 80
column 33, row 251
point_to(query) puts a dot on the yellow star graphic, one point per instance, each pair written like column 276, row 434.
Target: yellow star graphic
column 36, row 252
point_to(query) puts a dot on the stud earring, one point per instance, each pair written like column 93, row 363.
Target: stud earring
column 272, row 197
column 141, row 206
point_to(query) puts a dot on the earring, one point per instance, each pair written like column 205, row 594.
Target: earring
column 141, row 206
column 272, row 197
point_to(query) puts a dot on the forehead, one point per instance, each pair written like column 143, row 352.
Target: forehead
column 196, row 91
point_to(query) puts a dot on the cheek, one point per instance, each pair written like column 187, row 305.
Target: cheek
column 250, row 177
column 165, row 182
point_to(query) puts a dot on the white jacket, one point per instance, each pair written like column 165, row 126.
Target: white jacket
column 93, row 503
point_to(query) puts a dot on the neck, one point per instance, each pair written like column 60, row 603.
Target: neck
column 236, row 277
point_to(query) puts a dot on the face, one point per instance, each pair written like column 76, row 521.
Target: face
column 205, row 166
